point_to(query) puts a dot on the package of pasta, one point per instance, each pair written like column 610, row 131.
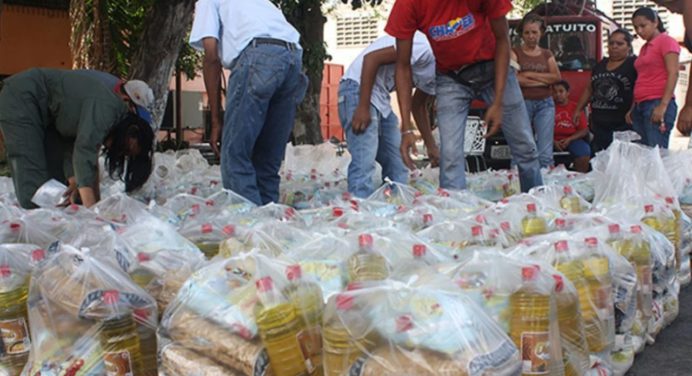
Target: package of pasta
column 176, row 360
column 250, row 313
column 498, row 282
column 87, row 317
column 386, row 328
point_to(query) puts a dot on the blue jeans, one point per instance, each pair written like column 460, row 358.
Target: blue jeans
column 542, row 115
column 453, row 102
column 379, row 143
column 264, row 90
column 649, row 132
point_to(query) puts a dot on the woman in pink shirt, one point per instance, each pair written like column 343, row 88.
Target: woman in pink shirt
column 654, row 110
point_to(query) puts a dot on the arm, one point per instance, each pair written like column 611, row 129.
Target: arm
column 493, row 116
column 404, row 84
column 525, row 81
column 672, row 64
column 371, row 64
column 549, row 78
column 583, row 100
column 420, row 114
column 577, row 135
column 211, row 70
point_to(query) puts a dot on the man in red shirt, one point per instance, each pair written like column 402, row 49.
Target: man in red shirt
column 470, row 41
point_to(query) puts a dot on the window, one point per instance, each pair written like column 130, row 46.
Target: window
column 48, row 4
column 355, row 31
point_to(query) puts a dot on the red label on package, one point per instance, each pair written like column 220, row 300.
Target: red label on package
column 14, row 337
column 535, row 353
column 118, row 363
column 310, row 341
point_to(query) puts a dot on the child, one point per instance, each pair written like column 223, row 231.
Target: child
column 570, row 136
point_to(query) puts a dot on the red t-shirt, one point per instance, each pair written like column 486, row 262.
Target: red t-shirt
column 458, row 30
column 651, row 67
column 564, row 127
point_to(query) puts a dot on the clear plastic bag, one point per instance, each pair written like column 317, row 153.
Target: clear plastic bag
column 50, row 194
column 453, row 239
column 87, row 317
column 561, row 198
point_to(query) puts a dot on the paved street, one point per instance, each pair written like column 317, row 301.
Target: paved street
column 671, row 355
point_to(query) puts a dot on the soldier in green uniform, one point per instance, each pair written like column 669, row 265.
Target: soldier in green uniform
column 56, row 122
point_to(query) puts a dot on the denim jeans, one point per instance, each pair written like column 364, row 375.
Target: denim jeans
column 264, row 90
column 542, row 116
column 649, row 132
column 379, row 143
column 453, row 102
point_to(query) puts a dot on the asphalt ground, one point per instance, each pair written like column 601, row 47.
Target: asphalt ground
column 671, row 355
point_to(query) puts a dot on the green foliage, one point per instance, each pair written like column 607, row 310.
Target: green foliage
column 526, row 5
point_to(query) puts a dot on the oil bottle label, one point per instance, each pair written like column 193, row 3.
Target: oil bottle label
column 535, row 353
column 310, row 340
column 14, row 337
column 118, row 363
column 261, row 364
column 494, row 360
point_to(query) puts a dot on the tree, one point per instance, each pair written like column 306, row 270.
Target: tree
column 308, row 18
column 134, row 39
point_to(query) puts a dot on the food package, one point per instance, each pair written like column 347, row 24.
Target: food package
column 176, row 360
column 561, row 198
column 207, row 233
column 88, row 317
column 20, row 231
column 493, row 185
column 583, row 184
column 425, row 180
column 452, row 239
column 121, row 209
column 395, row 194
column 383, row 328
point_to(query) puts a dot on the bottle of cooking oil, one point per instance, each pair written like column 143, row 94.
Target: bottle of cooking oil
column 477, row 238
column 279, row 326
column 640, row 257
column 598, row 279
column 530, row 324
column 570, row 201
column 307, row 298
column 569, row 264
column 206, row 243
column 427, row 220
column 14, row 327
column 147, row 343
column 532, row 224
column 366, row 264
column 575, row 350
column 340, row 349
column 672, row 228
column 119, row 340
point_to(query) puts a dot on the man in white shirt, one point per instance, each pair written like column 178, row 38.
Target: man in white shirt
column 253, row 39
column 365, row 112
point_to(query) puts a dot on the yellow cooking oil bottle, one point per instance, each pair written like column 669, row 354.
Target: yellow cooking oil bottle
column 340, row 349
column 14, row 326
column 119, row 339
column 672, row 228
column 206, row 243
column 532, row 224
column 529, row 325
column 306, row 297
column 570, row 201
column 366, row 264
column 279, row 326
column 598, row 279
column 576, row 352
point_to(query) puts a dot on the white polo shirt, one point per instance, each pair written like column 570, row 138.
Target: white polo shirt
column 422, row 67
column 234, row 23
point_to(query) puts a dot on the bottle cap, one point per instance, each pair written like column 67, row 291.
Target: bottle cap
column 337, row 212
column 636, row 229
column 505, row 226
column 427, row 218
column 404, row 323
column 419, row 250
column 648, row 208
column 591, row 242
column 476, row 231
column 365, row 240
column 669, row 200
column 561, row 246
column 38, row 255
column 614, row 228
column 293, row 272
column 531, row 208
column 567, row 190
column 5, row 271
column 559, row 283
column 264, row 284
column 344, row 302
column 229, row 230
column 143, row 257
column 529, row 273
column 560, row 223
column 206, row 228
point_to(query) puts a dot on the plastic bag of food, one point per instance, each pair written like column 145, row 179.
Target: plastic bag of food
column 452, row 204
column 490, row 185
column 87, row 317
column 395, row 194
column 452, row 239
column 241, row 312
column 50, row 194
column 176, row 360
column 561, row 198
column 121, row 209
column 185, row 206
column 385, row 328
column 20, row 231
column 207, row 233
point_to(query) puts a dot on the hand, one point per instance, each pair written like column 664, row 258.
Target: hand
column 658, row 113
column 215, row 137
column 628, row 117
column 576, row 117
column 564, row 143
column 361, row 119
column 71, row 194
column 433, row 155
column 558, row 145
column 408, row 146
column 493, row 118
column 685, row 120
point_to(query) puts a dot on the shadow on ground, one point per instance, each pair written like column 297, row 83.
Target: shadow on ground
column 670, row 355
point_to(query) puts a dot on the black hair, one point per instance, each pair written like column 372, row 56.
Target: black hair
column 134, row 170
column 562, row 83
column 651, row 15
column 626, row 34
column 532, row 18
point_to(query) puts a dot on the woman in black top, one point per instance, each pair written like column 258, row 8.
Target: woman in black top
column 611, row 91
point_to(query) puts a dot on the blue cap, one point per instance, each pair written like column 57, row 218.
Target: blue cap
column 146, row 115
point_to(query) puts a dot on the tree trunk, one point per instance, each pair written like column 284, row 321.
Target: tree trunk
column 167, row 24
column 309, row 21
column 91, row 43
